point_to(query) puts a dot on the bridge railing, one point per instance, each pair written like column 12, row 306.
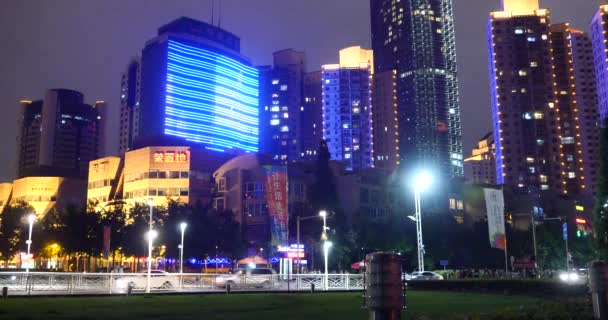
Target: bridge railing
column 62, row 283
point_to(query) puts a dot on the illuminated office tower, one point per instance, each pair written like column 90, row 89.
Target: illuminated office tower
column 599, row 35
column 58, row 135
column 282, row 106
column 197, row 89
column 542, row 101
column 347, row 108
column 417, row 39
column 130, row 95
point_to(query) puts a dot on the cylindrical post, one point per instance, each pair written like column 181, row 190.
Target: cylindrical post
column 598, row 284
column 149, row 276
column 384, row 287
column 298, row 244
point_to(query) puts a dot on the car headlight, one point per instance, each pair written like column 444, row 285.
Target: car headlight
column 573, row 276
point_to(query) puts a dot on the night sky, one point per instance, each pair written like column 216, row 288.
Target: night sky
column 86, row 44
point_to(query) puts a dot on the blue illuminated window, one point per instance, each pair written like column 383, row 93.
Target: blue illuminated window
column 211, row 99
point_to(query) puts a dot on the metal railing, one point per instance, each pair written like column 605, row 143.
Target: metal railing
column 63, row 283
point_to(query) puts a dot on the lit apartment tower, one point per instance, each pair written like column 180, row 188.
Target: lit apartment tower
column 522, row 95
column 417, row 39
column 58, row 135
column 312, row 115
column 599, row 35
column 130, row 95
column 587, row 98
column 386, row 125
column 347, row 108
column 480, row 167
column 281, row 106
column 576, row 106
column 197, row 90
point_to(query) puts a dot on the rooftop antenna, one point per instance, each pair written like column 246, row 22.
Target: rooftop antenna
column 212, row 11
column 219, row 18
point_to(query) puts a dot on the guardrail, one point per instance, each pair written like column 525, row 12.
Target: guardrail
column 63, row 283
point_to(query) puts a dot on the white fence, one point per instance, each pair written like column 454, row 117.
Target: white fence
column 62, row 283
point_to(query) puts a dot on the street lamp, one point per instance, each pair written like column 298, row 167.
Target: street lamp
column 422, row 181
column 30, row 219
column 151, row 235
column 182, row 227
column 323, row 214
column 326, row 246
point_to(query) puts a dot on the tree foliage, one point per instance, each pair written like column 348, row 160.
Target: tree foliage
column 13, row 229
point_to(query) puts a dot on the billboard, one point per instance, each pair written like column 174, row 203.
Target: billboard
column 495, row 206
column 275, row 184
column 211, row 99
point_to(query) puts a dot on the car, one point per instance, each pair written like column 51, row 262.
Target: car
column 574, row 276
column 158, row 280
column 424, row 275
column 248, row 278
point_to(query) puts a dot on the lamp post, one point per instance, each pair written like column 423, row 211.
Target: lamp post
column 326, row 246
column 182, row 227
column 30, row 219
column 422, row 181
column 151, row 235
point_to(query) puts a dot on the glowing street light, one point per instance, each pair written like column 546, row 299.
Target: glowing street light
column 323, row 214
column 150, row 235
column 182, row 227
column 422, row 182
column 30, row 219
column 326, row 246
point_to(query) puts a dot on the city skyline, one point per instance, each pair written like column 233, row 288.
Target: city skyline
column 76, row 69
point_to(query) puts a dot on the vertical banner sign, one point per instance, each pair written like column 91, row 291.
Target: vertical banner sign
column 495, row 206
column 107, row 231
column 275, row 183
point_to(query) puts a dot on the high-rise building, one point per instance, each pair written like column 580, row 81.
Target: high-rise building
column 417, row 39
column 282, row 106
column 542, row 101
column 347, row 108
column 130, row 96
column 312, row 115
column 196, row 89
column 386, row 125
column 58, row 135
column 599, row 35
column 480, row 167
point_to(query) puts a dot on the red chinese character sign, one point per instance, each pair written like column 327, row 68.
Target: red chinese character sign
column 170, row 156
column 275, row 183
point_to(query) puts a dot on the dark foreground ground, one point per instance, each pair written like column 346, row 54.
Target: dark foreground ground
column 335, row 306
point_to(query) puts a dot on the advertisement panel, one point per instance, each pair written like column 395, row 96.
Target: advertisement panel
column 275, row 183
column 495, row 206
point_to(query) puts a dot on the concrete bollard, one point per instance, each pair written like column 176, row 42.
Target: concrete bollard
column 228, row 288
column 598, row 285
column 4, row 292
column 312, row 288
column 384, row 295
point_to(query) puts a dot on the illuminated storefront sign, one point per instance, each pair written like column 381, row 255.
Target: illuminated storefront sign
column 171, row 156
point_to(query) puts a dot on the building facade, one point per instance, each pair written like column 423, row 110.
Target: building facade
column 282, row 106
column 417, row 39
column 385, row 117
column 538, row 110
column 58, row 135
column 47, row 193
column 104, row 179
column 130, row 96
column 480, row 167
column 312, row 115
column 347, row 108
column 197, row 89
column 599, row 31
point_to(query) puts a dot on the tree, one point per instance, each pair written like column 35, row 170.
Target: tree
column 600, row 214
column 13, row 224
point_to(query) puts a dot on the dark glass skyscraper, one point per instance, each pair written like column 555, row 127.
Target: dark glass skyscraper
column 416, row 39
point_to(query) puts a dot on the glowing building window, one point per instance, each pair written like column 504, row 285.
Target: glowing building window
column 275, row 122
column 523, row 73
column 567, row 140
column 284, row 129
column 531, row 39
column 211, row 99
column 275, row 81
column 283, row 87
column 275, row 109
column 519, row 31
column 571, row 175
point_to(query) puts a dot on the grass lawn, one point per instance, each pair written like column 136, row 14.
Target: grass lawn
column 432, row 305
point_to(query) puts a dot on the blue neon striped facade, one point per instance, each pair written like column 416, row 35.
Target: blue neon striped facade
column 211, row 99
